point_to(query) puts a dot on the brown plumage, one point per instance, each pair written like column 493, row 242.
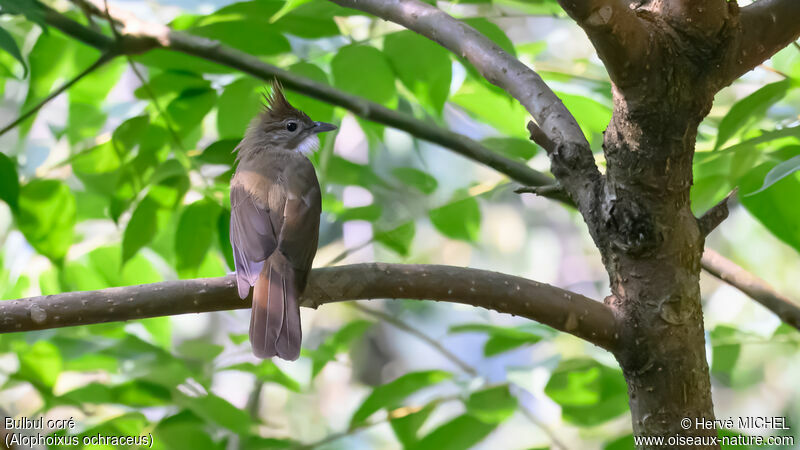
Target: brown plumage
column 275, row 209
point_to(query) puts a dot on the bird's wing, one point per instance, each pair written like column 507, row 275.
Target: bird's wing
column 253, row 236
column 299, row 231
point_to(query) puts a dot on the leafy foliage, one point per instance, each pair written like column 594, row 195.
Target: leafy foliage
column 9, row 182
column 502, row 339
column 391, row 394
column 459, row 219
column 588, row 392
column 47, row 216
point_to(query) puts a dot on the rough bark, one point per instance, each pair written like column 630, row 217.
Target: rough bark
column 651, row 248
column 650, row 241
column 618, row 35
column 763, row 28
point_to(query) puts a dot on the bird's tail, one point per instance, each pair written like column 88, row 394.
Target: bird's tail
column 275, row 318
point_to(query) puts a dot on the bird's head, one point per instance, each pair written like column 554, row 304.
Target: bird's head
column 281, row 126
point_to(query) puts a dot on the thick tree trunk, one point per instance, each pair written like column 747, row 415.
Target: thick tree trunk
column 651, row 246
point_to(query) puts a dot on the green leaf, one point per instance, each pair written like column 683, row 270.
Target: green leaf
column 15, row 291
column 775, row 207
column 588, row 392
column 140, row 393
column 364, row 71
column 724, row 354
column 259, row 443
column 422, row 65
column 287, row 7
column 220, row 152
column 50, row 59
column 201, row 349
column 460, row 219
column 416, row 178
column 95, row 86
column 493, row 32
column 343, row 172
column 77, row 277
column 223, row 233
column 141, row 228
column 180, row 62
column 622, row 443
column 171, row 168
column 336, row 343
column 503, row 339
column 748, row 110
column 494, row 108
column 9, row 182
column 592, row 115
column 171, row 82
column 47, row 214
column 267, row 371
column 398, row 238
column 126, row 424
column 8, row 44
column 160, row 328
column 196, row 229
column 391, row 395
column 97, row 167
column 779, row 172
column 31, row 9
column 215, row 410
column 129, row 133
column 239, row 103
column 135, row 393
column 317, row 110
column 249, row 36
column 407, row 426
column 462, row 432
column 522, row 149
column 40, row 364
column 492, row 405
column 84, row 122
column 370, row 213
column 188, row 110
column 313, row 20
column 183, row 431
column 763, row 137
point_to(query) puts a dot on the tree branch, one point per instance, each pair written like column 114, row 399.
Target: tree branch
column 553, row 191
column 572, row 161
column 714, row 216
column 138, row 36
column 213, row 51
column 104, row 58
column 616, row 32
column 767, row 26
column 558, row 308
column 758, row 289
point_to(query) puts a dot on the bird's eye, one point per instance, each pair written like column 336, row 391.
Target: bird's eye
column 291, row 126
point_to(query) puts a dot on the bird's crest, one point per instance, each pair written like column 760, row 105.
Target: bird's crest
column 276, row 107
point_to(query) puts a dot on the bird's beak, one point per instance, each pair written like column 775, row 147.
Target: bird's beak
column 321, row 127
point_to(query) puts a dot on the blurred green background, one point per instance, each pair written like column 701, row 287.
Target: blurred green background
column 122, row 181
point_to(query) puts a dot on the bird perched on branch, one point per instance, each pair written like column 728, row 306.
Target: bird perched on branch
column 275, row 211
